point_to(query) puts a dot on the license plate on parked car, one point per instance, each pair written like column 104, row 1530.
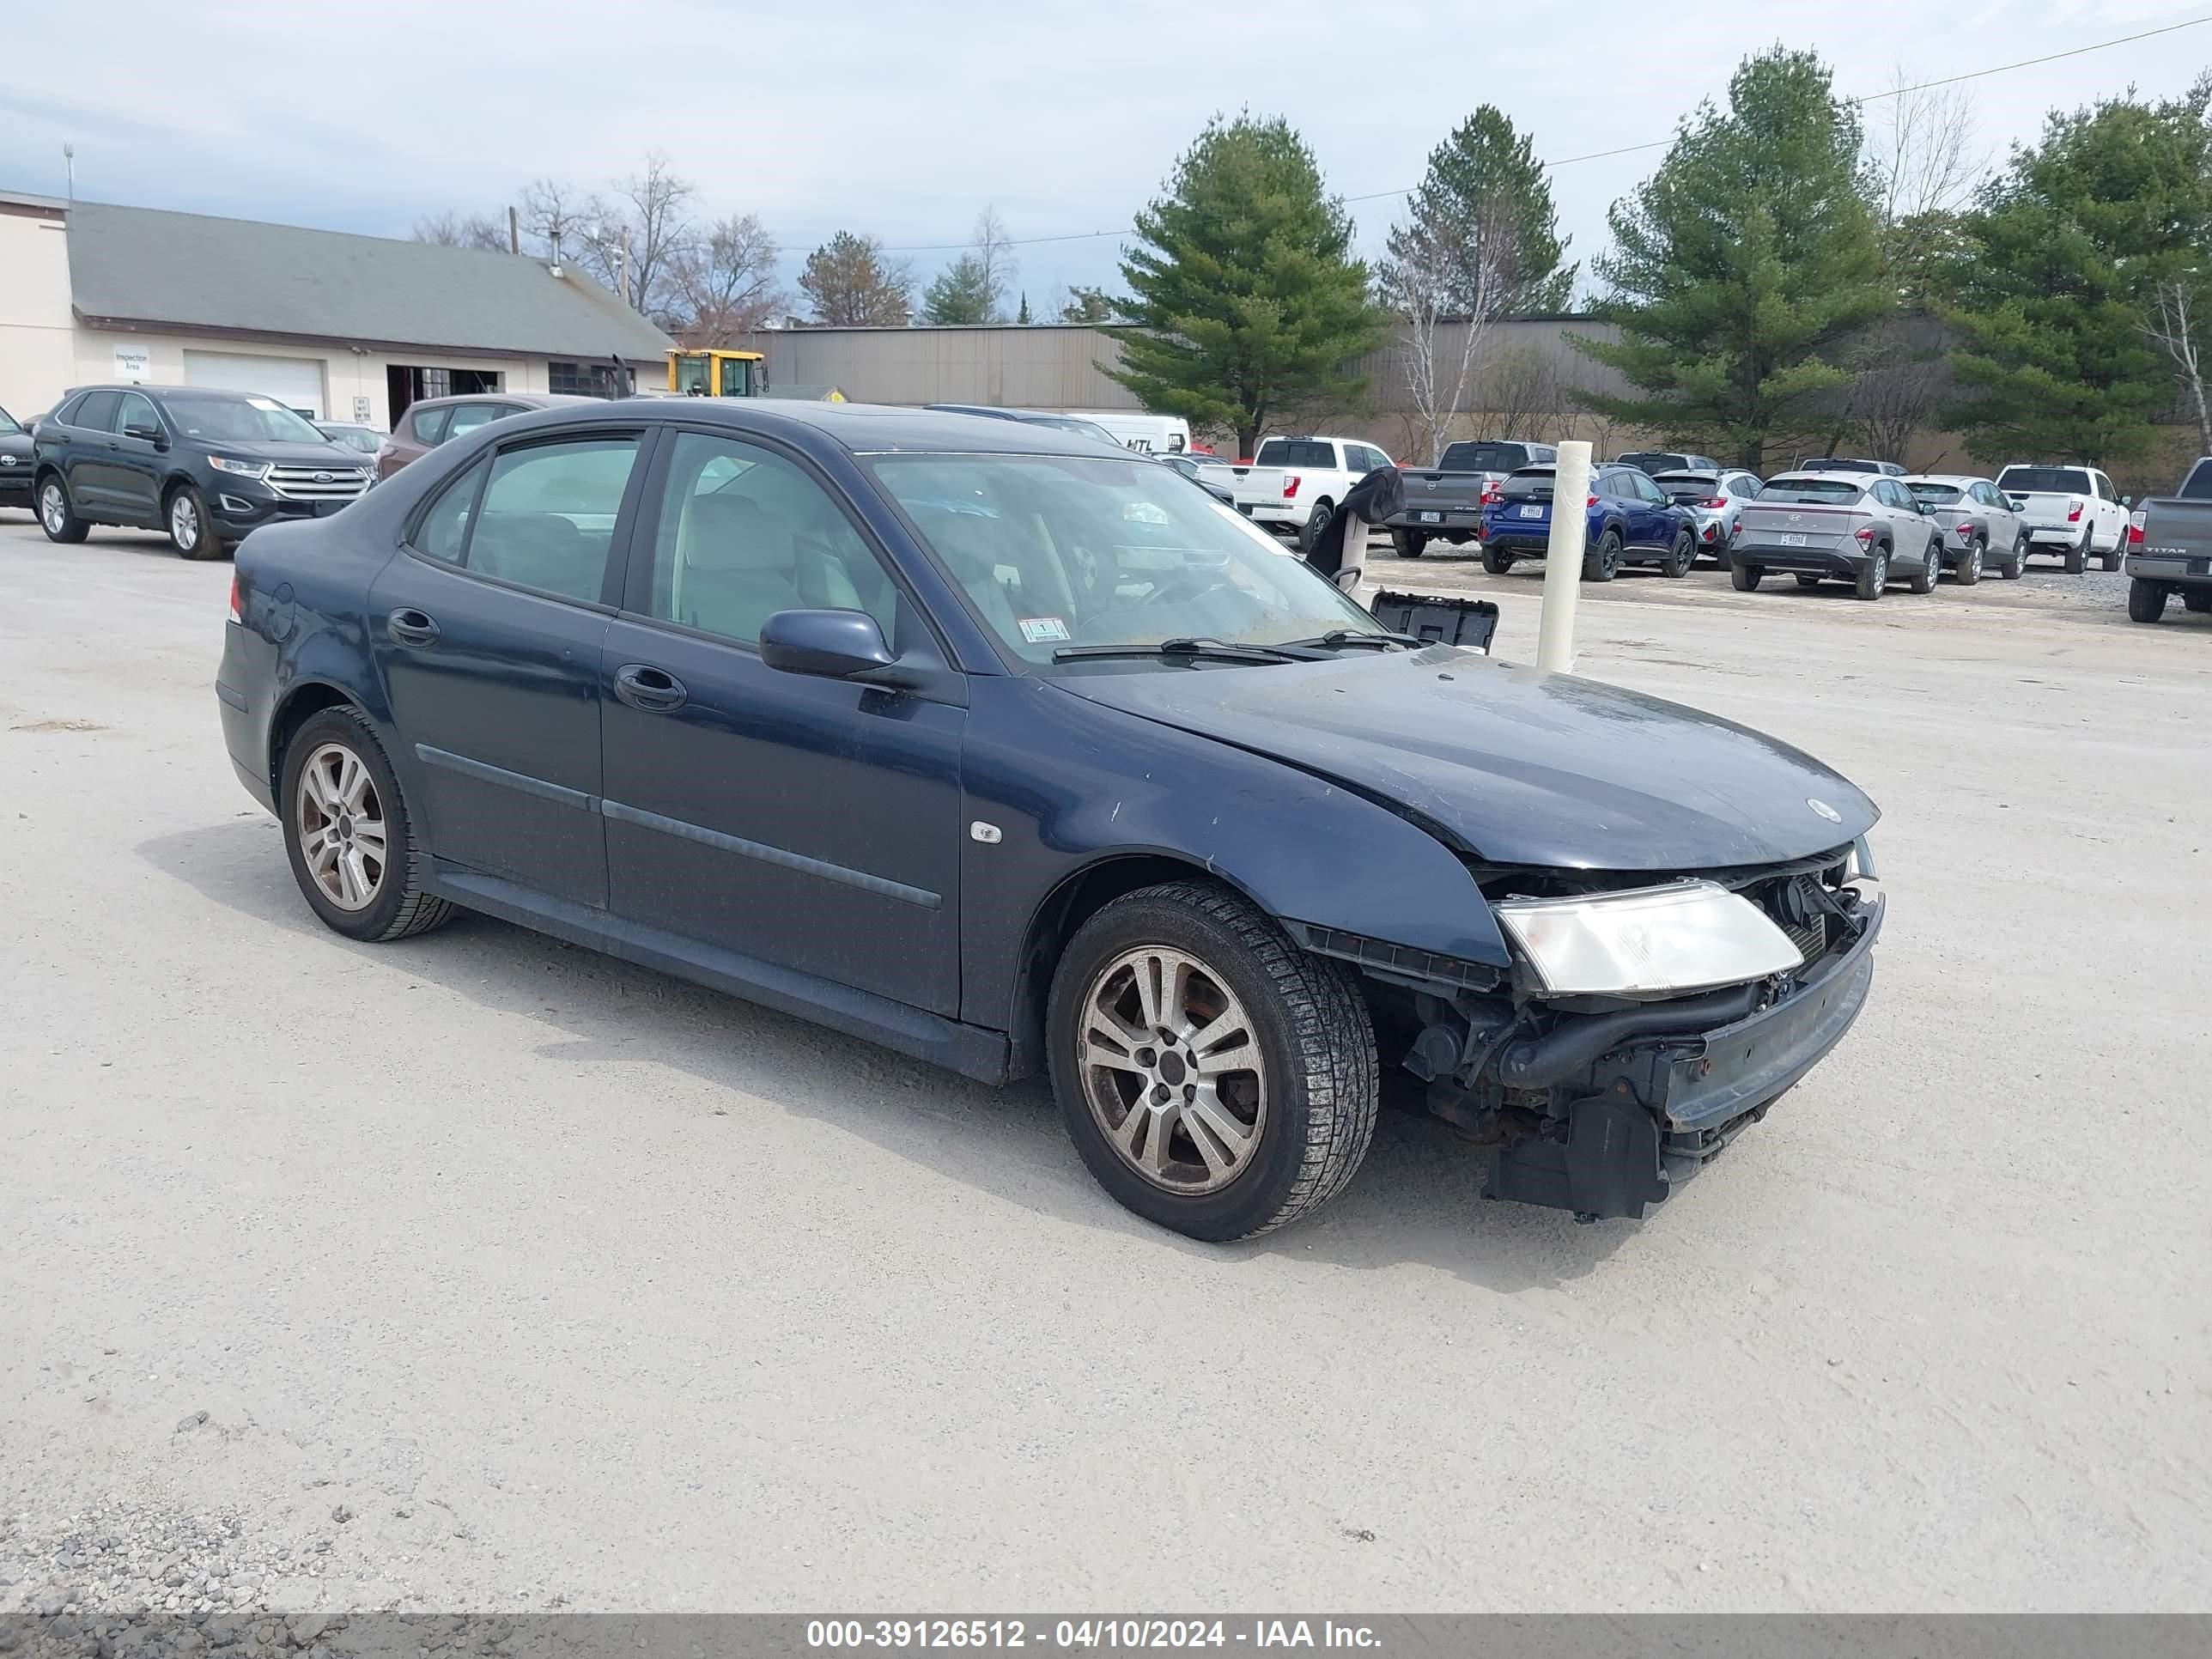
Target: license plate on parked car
column 1792, row 538
column 1532, row 512
column 1428, row 518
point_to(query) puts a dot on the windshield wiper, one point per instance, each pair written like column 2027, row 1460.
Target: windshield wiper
column 1207, row 650
column 1337, row 638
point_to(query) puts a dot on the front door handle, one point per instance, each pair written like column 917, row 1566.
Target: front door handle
column 412, row 626
column 653, row 690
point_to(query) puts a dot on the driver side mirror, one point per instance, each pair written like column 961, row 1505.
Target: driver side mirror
column 835, row 645
column 151, row 435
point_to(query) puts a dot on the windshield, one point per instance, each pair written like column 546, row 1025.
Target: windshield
column 1683, row 486
column 1813, row 492
column 1483, row 458
column 1654, row 463
column 1086, row 429
column 1836, row 464
column 240, row 421
column 353, row 437
column 1054, row 550
column 7, row 423
column 1936, row 495
column 2046, row 480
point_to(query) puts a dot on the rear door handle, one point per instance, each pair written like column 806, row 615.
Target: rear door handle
column 653, row 690
column 412, row 626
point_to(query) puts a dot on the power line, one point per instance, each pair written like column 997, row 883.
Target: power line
column 1629, row 150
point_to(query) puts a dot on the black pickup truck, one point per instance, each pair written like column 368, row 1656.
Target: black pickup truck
column 1447, row 500
column 2170, row 548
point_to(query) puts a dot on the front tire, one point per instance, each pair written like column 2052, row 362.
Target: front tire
column 1931, row 566
column 1680, row 556
column 56, row 517
column 2112, row 561
column 1873, row 574
column 191, row 532
column 349, row 835
column 1217, row 1080
column 1970, row 563
column 2016, row 566
column 2146, row 600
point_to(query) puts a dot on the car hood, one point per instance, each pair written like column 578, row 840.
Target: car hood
column 17, row 443
column 1513, row 765
column 285, row 454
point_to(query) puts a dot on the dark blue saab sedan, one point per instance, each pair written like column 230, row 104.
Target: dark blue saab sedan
column 960, row 736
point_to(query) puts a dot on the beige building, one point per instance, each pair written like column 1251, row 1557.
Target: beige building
column 340, row 327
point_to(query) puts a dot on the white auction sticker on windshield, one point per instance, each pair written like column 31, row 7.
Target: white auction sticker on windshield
column 1043, row 631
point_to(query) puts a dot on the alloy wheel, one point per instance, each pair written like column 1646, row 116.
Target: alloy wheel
column 184, row 522
column 53, row 508
column 1172, row 1070
column 342, row 828
column 1974, row 563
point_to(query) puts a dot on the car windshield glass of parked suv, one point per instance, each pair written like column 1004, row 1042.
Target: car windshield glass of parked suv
column 1812, row 492
column 247, row 420
column 1936, row 495
column 2046, row 481
column 1296, row 452
column 8, row 425
column 1483, row 458
column 1645, row 461
column 1054, row 551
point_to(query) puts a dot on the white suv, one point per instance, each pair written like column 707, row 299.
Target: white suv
column 2073, row 511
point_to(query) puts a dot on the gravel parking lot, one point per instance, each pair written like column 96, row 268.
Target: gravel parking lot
column 481, row 1273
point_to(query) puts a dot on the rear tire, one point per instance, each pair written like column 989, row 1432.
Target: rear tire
column 1309, row 1099
column 1744, row 578
column 1970, row 564
column 1931, row 565
column 2016, row 566
column 1323, row 511
column 388, row 896
column 56, row 516
column 1602, row 562
column 2146, row 600
column 2112, row 561
column 1873, row 574
column 1409, row 544
column 2078, row 558
column 1495, row 562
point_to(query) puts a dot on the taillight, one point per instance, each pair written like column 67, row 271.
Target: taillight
column 1592, row 501
column 1491, row 495
column 1865, row 534
column 1716, row 504
column 2074, row 512
column 236, row 615
column 2135, row 528
column 1291, row 487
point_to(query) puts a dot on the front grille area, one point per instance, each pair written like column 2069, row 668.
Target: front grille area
column 318, row 483
column 1793, row 903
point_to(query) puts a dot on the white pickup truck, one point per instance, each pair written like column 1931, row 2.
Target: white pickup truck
column 1294, row 485
column 2073, row 511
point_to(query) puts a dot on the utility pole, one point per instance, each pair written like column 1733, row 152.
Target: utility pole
column 514, row 230
column 622, row 263
column 69, row 166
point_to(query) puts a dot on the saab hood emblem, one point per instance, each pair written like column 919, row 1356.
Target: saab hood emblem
column 1824, row 810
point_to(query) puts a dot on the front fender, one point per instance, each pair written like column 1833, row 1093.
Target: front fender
column 1068, row 784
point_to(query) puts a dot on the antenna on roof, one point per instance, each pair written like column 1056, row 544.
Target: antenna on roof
column 69, row 166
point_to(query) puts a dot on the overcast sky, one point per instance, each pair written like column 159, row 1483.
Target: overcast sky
column 903, row 119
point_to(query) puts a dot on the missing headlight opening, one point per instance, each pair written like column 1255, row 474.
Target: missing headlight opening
column 1601, row 1095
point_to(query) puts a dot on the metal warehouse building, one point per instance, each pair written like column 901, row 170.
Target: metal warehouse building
column 347, row 328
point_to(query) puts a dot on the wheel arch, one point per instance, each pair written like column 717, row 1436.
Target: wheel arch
column 301, row 703
column 1077, row 898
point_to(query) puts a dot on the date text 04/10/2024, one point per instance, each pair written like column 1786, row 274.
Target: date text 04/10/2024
column 897, row 1635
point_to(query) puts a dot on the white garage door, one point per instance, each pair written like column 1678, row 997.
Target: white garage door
column 295, row 382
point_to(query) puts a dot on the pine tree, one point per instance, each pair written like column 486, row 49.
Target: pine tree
column 851, row 285
column 960, row 294
column 1022, row 316
column 1247, row 301
column 1743, row 266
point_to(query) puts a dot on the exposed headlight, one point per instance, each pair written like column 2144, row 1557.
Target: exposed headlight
column 242, row 469
column 1650, row 941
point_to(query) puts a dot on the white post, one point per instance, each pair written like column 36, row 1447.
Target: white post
column 1351, row 569
column 1563, row 557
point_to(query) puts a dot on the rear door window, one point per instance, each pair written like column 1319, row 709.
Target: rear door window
column 97, row 412
column 547, row 519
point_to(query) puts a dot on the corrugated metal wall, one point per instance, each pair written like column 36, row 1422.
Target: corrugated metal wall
column 1055, row 365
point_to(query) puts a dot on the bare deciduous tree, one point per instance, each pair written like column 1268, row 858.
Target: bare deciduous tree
column 451, row 230
column 1922, row 150
column 994, row 252
column 1519, row 388
column 726, row 282
column 2176, row 320
column 635, row 239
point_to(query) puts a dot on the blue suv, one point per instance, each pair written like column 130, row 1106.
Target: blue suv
column 1632, row 521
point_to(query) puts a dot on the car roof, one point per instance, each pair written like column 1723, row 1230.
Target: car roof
column 1944, row 478
column 858, row 428
column 527, row 400
column 1862, row 479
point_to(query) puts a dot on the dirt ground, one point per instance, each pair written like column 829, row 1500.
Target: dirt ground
column 481, row 1273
